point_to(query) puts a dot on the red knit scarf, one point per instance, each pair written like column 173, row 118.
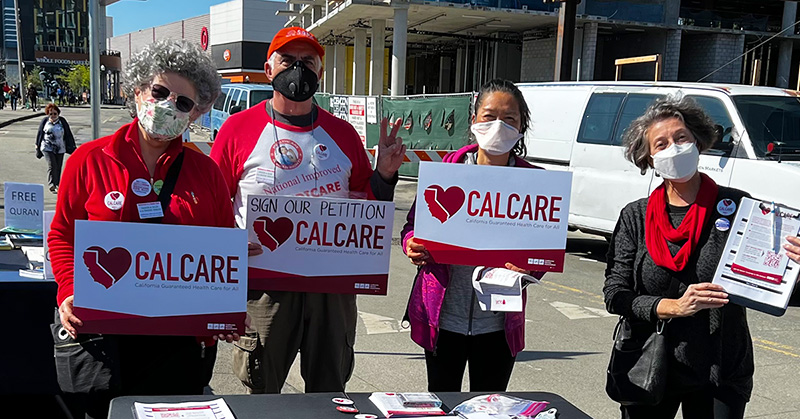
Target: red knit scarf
column 658, row 228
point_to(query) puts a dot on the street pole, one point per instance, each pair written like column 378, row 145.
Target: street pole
column 565, row 41
column 94, row 66
column 20, row 64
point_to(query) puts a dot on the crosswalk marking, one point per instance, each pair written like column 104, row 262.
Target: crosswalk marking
column 377, row 324
column 575, row 312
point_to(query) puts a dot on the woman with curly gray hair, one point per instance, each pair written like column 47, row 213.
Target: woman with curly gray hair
column 661, row 261
column 142, row 166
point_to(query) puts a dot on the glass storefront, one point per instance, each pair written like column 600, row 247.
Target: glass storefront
column 61, row 26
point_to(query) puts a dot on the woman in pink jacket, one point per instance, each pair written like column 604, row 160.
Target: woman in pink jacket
column 443, row 310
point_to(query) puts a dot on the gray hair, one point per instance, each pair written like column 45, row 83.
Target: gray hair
column 173, row 56
column 634, row 141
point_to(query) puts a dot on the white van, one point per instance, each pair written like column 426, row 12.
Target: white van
column 579, row 126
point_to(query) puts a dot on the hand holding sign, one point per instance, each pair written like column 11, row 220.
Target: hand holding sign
column 416, row 252
column 793, row 248
column 68, row 319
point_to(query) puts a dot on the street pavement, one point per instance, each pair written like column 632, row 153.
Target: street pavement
column 568, row 336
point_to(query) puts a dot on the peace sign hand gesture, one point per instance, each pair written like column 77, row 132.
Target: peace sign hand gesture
column 390, row 150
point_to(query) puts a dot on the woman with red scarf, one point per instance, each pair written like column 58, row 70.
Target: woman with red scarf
column 662, row 258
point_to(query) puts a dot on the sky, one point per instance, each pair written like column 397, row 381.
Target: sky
column 132, row 15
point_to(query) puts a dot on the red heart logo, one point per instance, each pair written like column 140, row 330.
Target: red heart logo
column 443, row 204
column 114, row 195
column 271, row 233
column 727, row 202
column 322, row 147
column 109, row 267
column 765, row 210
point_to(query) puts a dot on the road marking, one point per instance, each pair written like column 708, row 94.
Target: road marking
column 377, row 324
column 576, row 312
column 776, row 347
column 552, row 286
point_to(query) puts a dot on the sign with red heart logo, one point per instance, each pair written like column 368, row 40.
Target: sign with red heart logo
column 106, row 268
column 273, row 233
column 444, row 203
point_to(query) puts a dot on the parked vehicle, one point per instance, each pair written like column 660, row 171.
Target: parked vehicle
column 579, row 126
column 236, row 97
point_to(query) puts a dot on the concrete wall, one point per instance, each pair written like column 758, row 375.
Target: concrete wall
column 704, row 53
column 131, row 43
column 672, row 55
column 226, row 22
column 538, row 60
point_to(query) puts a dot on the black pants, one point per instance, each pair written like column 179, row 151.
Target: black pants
column 54, row 163
column 708, row 403
column 490, row 362
column 13, row 104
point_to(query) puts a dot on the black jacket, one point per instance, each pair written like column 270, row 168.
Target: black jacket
column 69, row 139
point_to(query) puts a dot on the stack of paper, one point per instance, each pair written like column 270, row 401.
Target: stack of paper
column 214, row 409
column 391, row 405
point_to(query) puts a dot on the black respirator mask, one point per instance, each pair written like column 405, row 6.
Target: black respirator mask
column 297, row 83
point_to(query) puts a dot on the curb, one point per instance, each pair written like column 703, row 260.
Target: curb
column 21, row 118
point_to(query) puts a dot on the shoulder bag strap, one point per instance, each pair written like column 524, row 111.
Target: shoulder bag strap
column 165, row 195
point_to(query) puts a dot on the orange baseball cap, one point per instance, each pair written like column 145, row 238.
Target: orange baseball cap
column 294, row 34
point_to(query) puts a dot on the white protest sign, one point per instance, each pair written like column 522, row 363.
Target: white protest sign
column 24, row 205
column 339, row 246
column 159, row 279
column 372, row 110
column 48, row 269
column 357, row 112
column 489, row 215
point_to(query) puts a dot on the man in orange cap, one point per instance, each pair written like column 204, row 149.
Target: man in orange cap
column 289, row 146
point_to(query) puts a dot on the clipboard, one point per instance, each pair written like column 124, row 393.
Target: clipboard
column 754, row 268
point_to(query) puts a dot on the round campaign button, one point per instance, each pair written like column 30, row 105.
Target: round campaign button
column 339, row 400
column 141, row 187
column 322, row 152
column 347, row 409
column 726, row 207
column 366, row 416
column 158, row 185
column 114, row 200
column 722, row 224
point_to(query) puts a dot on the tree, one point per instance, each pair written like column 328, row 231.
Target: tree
column 76, row 78
column 32, row 77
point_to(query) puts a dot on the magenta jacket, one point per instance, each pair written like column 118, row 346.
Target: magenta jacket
column 427, row 296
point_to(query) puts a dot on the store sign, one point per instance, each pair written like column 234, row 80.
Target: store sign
column 226, row 55
column 45, row 60
column 204, row 38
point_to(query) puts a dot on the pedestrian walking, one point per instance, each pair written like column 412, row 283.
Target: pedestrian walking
column 53, row 139
column 14, row 97
column 321, row 326
column 171, row 83
column 446, row 319
column 33, row 97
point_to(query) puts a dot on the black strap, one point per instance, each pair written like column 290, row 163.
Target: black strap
column 165, row 194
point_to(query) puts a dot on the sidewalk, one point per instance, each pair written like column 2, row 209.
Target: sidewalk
column 7, row 116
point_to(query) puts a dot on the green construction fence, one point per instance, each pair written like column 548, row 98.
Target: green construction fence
column 429, row 122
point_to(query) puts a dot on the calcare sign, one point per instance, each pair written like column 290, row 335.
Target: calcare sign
column 489, row 215
column 323, row 245
column 159, row 279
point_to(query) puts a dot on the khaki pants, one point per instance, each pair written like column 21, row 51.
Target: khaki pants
column 321, row 326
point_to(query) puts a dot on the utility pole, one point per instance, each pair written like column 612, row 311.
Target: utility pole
column 20, row 64
column 565, row 42
column 94, row 65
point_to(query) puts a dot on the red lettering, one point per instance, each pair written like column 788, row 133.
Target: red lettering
column 366, row 231
column 339, row 227
column 486, row 209
column 554, row 208
column 139, row 257
column 541, row 205
column 377, row 237
column 511, row 198
column 352, row 237
column 217, row 265
column 338, row 186
column 325, row 241
column 527, row 209
column 473, row 194
column 300, row 226
column 230, row 279
column 497, row 206
column 330, row 188
column 185, row 277
column 313, row 236
column 170, row 277
column 158, row 268
column 202, row 269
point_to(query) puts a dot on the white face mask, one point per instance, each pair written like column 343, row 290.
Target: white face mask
column 677, row 162
column 161, row 119
column 495, row 137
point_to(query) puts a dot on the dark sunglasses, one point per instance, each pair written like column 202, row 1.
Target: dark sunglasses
column 183, row 103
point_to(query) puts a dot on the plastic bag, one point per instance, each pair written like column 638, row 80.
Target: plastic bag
column 498, row 406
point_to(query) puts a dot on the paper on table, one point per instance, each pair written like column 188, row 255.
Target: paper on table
column 213, row 409
column 499, row 289
column 753, row 269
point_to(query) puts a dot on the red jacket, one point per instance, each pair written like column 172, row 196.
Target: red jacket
column 110, row 164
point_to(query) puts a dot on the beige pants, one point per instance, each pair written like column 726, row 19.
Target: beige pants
column 321, row 326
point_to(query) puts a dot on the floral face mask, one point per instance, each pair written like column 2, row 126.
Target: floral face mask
column 161, row 119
